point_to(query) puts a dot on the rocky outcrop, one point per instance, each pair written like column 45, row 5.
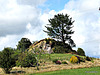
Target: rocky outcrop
column 47, row 45
column 44, row 44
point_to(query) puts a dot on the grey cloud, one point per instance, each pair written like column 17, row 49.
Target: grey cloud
column 31, row 2
column 17, row 27
column 12, row 28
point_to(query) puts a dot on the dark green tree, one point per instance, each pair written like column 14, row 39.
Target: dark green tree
column 80, row 51
column 23, row 44
column 60, row 28
column 7, row 61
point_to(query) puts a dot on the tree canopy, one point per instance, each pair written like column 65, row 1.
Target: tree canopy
column 81, row 52
column 60, row 27
column 7, row 61
column 23, row 44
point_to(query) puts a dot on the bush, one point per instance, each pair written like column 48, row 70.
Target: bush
column 26, row 60
column 58, row 62
column 74, row 59
column 88, row 59
column 81, row 52
column 7, row 61
column 64, row 62
column 59, row 49
column 80, row 59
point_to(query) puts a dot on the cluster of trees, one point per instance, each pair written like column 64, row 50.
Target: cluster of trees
column 10, row 57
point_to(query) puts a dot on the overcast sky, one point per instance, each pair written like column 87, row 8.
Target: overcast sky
column 27, row 18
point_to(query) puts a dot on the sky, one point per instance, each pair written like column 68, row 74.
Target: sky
column 28, row 18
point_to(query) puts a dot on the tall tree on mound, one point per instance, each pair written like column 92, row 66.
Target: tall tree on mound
column 60, row 28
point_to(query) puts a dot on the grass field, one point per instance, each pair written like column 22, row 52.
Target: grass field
column 83, row 71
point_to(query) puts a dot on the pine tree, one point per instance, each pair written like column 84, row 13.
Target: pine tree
column 60, row 28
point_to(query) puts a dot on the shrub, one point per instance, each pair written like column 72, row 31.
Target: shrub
column 74, row 59
column 58, row 62
column 59, row 49
column 7, row 61
column 54, row 61
column 64, row 62
column 88, row 59
column 26, row 60
column 80, row 59
column 81, row 52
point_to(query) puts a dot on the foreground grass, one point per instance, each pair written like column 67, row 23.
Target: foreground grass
column 83, row 71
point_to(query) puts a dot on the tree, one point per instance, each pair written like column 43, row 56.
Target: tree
column 23, row 44
column 80, row 51
column 26, row 60
column 40, row 55
column 7, row 61
column 60, row 28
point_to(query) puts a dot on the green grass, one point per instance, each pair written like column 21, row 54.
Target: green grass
column 62, row 56
column 83, row 71
column 57, row 56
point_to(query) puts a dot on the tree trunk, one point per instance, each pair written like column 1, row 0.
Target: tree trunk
column 63, row 35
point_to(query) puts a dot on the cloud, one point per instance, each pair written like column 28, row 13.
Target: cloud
column 14, row 17
column 86, row 26
column 31, row 2
column 38, row 33
column 9, row 41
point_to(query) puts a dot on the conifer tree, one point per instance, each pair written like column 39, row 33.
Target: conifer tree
column 60, row 27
